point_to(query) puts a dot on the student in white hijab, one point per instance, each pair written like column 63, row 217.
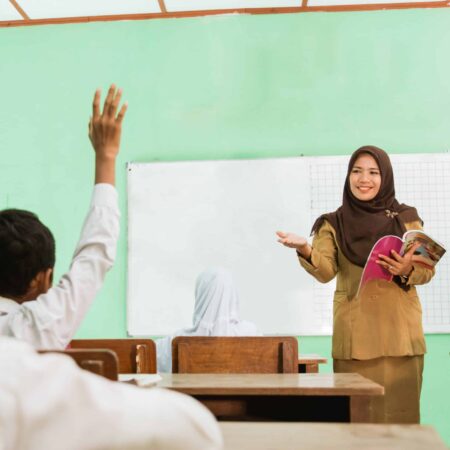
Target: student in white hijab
column 216, row 313
column 47, row 402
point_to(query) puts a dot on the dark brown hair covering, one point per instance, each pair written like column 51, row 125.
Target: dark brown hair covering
column 359, row 224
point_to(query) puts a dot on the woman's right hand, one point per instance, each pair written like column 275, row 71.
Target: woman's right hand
column 292, row 240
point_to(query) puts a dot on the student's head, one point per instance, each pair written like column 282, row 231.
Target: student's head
column 216, row 297
column 370, row 174
column 27, row 255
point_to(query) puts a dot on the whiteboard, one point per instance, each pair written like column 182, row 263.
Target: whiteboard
column 186, row 216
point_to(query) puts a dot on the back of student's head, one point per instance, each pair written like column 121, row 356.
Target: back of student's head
column 216, row 297
column 27, row 247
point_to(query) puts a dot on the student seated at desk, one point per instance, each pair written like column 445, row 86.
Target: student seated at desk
column 216, row 313
column 30, row 308
column 47, row 402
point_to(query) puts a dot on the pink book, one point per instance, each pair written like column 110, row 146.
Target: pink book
column 428, row 254
column 372, row 270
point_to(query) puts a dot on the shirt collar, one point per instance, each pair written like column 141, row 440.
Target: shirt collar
column 7, row 306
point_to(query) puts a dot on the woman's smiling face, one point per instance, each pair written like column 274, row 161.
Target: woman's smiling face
column 365, row 178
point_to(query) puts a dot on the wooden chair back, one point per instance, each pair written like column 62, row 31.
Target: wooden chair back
column 262, row 354
column 135, row 355
column 99, row 361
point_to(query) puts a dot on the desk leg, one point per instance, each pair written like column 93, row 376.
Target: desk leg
column 359, row 409
column 308, row 368
column 312, row 368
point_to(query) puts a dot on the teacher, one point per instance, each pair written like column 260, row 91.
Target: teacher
column 377, row 333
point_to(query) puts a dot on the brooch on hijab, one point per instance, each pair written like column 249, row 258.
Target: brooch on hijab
column 390, row 214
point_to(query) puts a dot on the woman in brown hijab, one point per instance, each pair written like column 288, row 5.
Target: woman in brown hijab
column 378, row 332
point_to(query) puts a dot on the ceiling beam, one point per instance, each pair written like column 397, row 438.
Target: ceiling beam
column 162, row 5
column 19, row 9
column 181, row 14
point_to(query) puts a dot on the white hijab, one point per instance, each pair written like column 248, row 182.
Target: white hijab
column 216, row 313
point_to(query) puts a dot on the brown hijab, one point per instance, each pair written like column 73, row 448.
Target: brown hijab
column 359, row 224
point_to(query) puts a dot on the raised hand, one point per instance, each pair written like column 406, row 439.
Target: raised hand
column 105, row 129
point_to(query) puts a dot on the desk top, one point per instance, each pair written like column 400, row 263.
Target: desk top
column 332, row 436
column 311, row 358
column 271, row 384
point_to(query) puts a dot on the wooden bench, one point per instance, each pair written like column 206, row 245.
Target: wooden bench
column 99, row 361
column 134, row 355
column 262, row 354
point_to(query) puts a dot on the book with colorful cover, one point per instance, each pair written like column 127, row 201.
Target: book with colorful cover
column 427, row 254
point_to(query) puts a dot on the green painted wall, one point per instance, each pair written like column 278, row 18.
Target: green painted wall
column 219, row 87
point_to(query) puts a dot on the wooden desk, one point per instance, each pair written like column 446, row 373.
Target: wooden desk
column 340, row 397
column 330, row 436
column 310, row 363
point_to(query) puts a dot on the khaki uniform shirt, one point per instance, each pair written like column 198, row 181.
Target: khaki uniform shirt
column 384, row 320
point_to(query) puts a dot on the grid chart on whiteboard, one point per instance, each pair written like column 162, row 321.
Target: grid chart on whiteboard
column 420, row 181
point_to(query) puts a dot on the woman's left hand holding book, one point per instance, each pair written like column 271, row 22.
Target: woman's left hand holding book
column 397, row 264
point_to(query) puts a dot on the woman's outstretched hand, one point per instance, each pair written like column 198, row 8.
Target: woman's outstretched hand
column 292, row 240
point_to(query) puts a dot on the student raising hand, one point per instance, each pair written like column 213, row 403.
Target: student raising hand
column 30, row 308
column 105, row 129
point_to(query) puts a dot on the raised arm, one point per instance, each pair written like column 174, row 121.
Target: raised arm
column 51, row 320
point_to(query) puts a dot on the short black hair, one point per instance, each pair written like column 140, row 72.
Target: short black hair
column 27, row 247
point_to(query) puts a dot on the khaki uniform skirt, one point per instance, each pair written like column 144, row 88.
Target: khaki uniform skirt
column 401, row 377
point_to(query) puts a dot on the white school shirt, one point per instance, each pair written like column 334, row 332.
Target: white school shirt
column 47, row 402
column 50, row 321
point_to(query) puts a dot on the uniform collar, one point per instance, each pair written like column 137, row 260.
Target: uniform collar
column 7, row 306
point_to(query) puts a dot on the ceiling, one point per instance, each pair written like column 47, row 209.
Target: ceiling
column 33, row 12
